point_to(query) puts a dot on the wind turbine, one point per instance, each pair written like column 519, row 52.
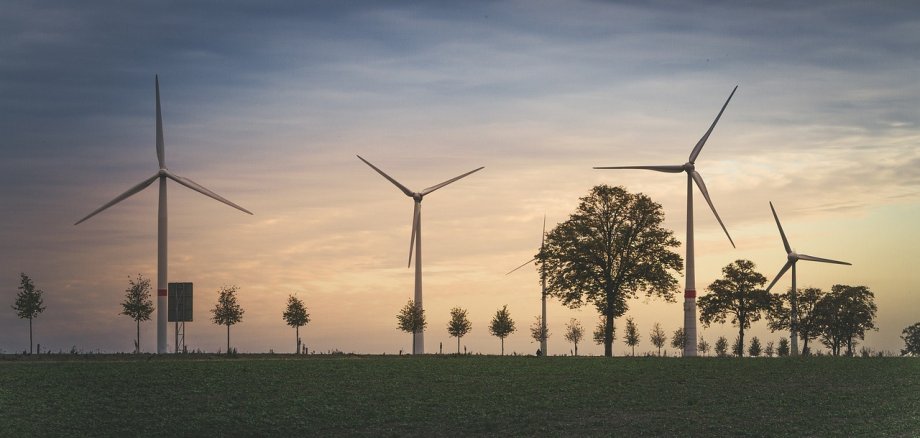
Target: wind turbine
column 692, row 176
column 162, row 174
column 418, row 344
column 791, row 258
column 543, row 285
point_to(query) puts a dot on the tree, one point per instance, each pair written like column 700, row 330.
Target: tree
column 295, row 315
column 459, row 325
column 609, row 250
column 574, row 332
column 809, row 322
column 411, row 319
column 703, row 346
column 783, row 348
column 600, row 331
column 632, row 335
column 679, row 340
column 754, row 349
column 502, row 325
column 227, row 311
column 538, row 332
column 738, row 347
column 736, row 295
column 138, row 305
column 658, row 337
column 29, row 303
column 769, row 351
column 845, row 314
column 911, row 337
column 721, row 347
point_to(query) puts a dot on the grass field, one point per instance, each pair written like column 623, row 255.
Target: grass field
column 122, row 395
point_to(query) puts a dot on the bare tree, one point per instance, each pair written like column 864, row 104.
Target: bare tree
column 574, row 332
column 658, row 337
column 632, row 335
column 703, row 346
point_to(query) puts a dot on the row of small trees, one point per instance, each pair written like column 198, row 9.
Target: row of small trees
column 837, row 318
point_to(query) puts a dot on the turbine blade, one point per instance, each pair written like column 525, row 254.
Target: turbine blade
column 699, row 145
column 781, row 233
column 699, row 183
column 819, row 259
column 416, row 216
column 396, row 183
column 201, row 189
column 667, row 169
column 140, row 186
column 161, row 152
column 525, row 264
column 781, row 272
column 433, row 188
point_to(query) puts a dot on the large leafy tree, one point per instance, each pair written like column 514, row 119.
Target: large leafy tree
column 809, row 323
column 295, row 315
column 411, row 319
column 227, row 311
column 502, row 325
column 846, row 313
column 631, row 337
column 574, row 332
column 137, row 304
column 911, row 337
column 29, row 303
column 609, row 250
column 737, row 295
column 459, row 325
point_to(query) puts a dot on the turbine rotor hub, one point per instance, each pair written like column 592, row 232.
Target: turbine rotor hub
column 689, row 167
column 417, row 196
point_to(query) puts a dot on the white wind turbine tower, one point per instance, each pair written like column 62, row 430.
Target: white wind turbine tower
column 791, row 258
column 543, row 286
column 416, row 239
column 692, row 176
column 162, row 174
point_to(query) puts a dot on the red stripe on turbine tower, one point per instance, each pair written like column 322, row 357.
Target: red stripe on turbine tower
column 161, row 292
column 689, row 293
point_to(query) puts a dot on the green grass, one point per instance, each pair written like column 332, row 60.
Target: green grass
column 279, row 395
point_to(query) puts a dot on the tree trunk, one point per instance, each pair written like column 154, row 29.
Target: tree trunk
column 458, row 345
column 741, row 340
column 503, row 346
column 576, row 349
column 228, row 338
column 634, row 350
column 297, row 333
column 413, row 340
column 608, row 325
column 30, row 336
column 137, row 346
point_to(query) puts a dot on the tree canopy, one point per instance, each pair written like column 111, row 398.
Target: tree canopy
column 658, row 337
column 845, row 314
column 911, row 337
column 137, row 304
column 679, row 340
column 809, row 322
column 459, row 325
column 538, row 332
column 574, row 332
column 610, row 249
column 29, row 303
column 295, row 315
column 631, row 337
column 227, row 311
column 737, row 296
column 502, row 325
column 411, row 319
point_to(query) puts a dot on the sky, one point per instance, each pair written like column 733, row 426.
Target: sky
column 268, row 103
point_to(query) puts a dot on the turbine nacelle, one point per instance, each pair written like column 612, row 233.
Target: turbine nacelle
column 689, row 167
